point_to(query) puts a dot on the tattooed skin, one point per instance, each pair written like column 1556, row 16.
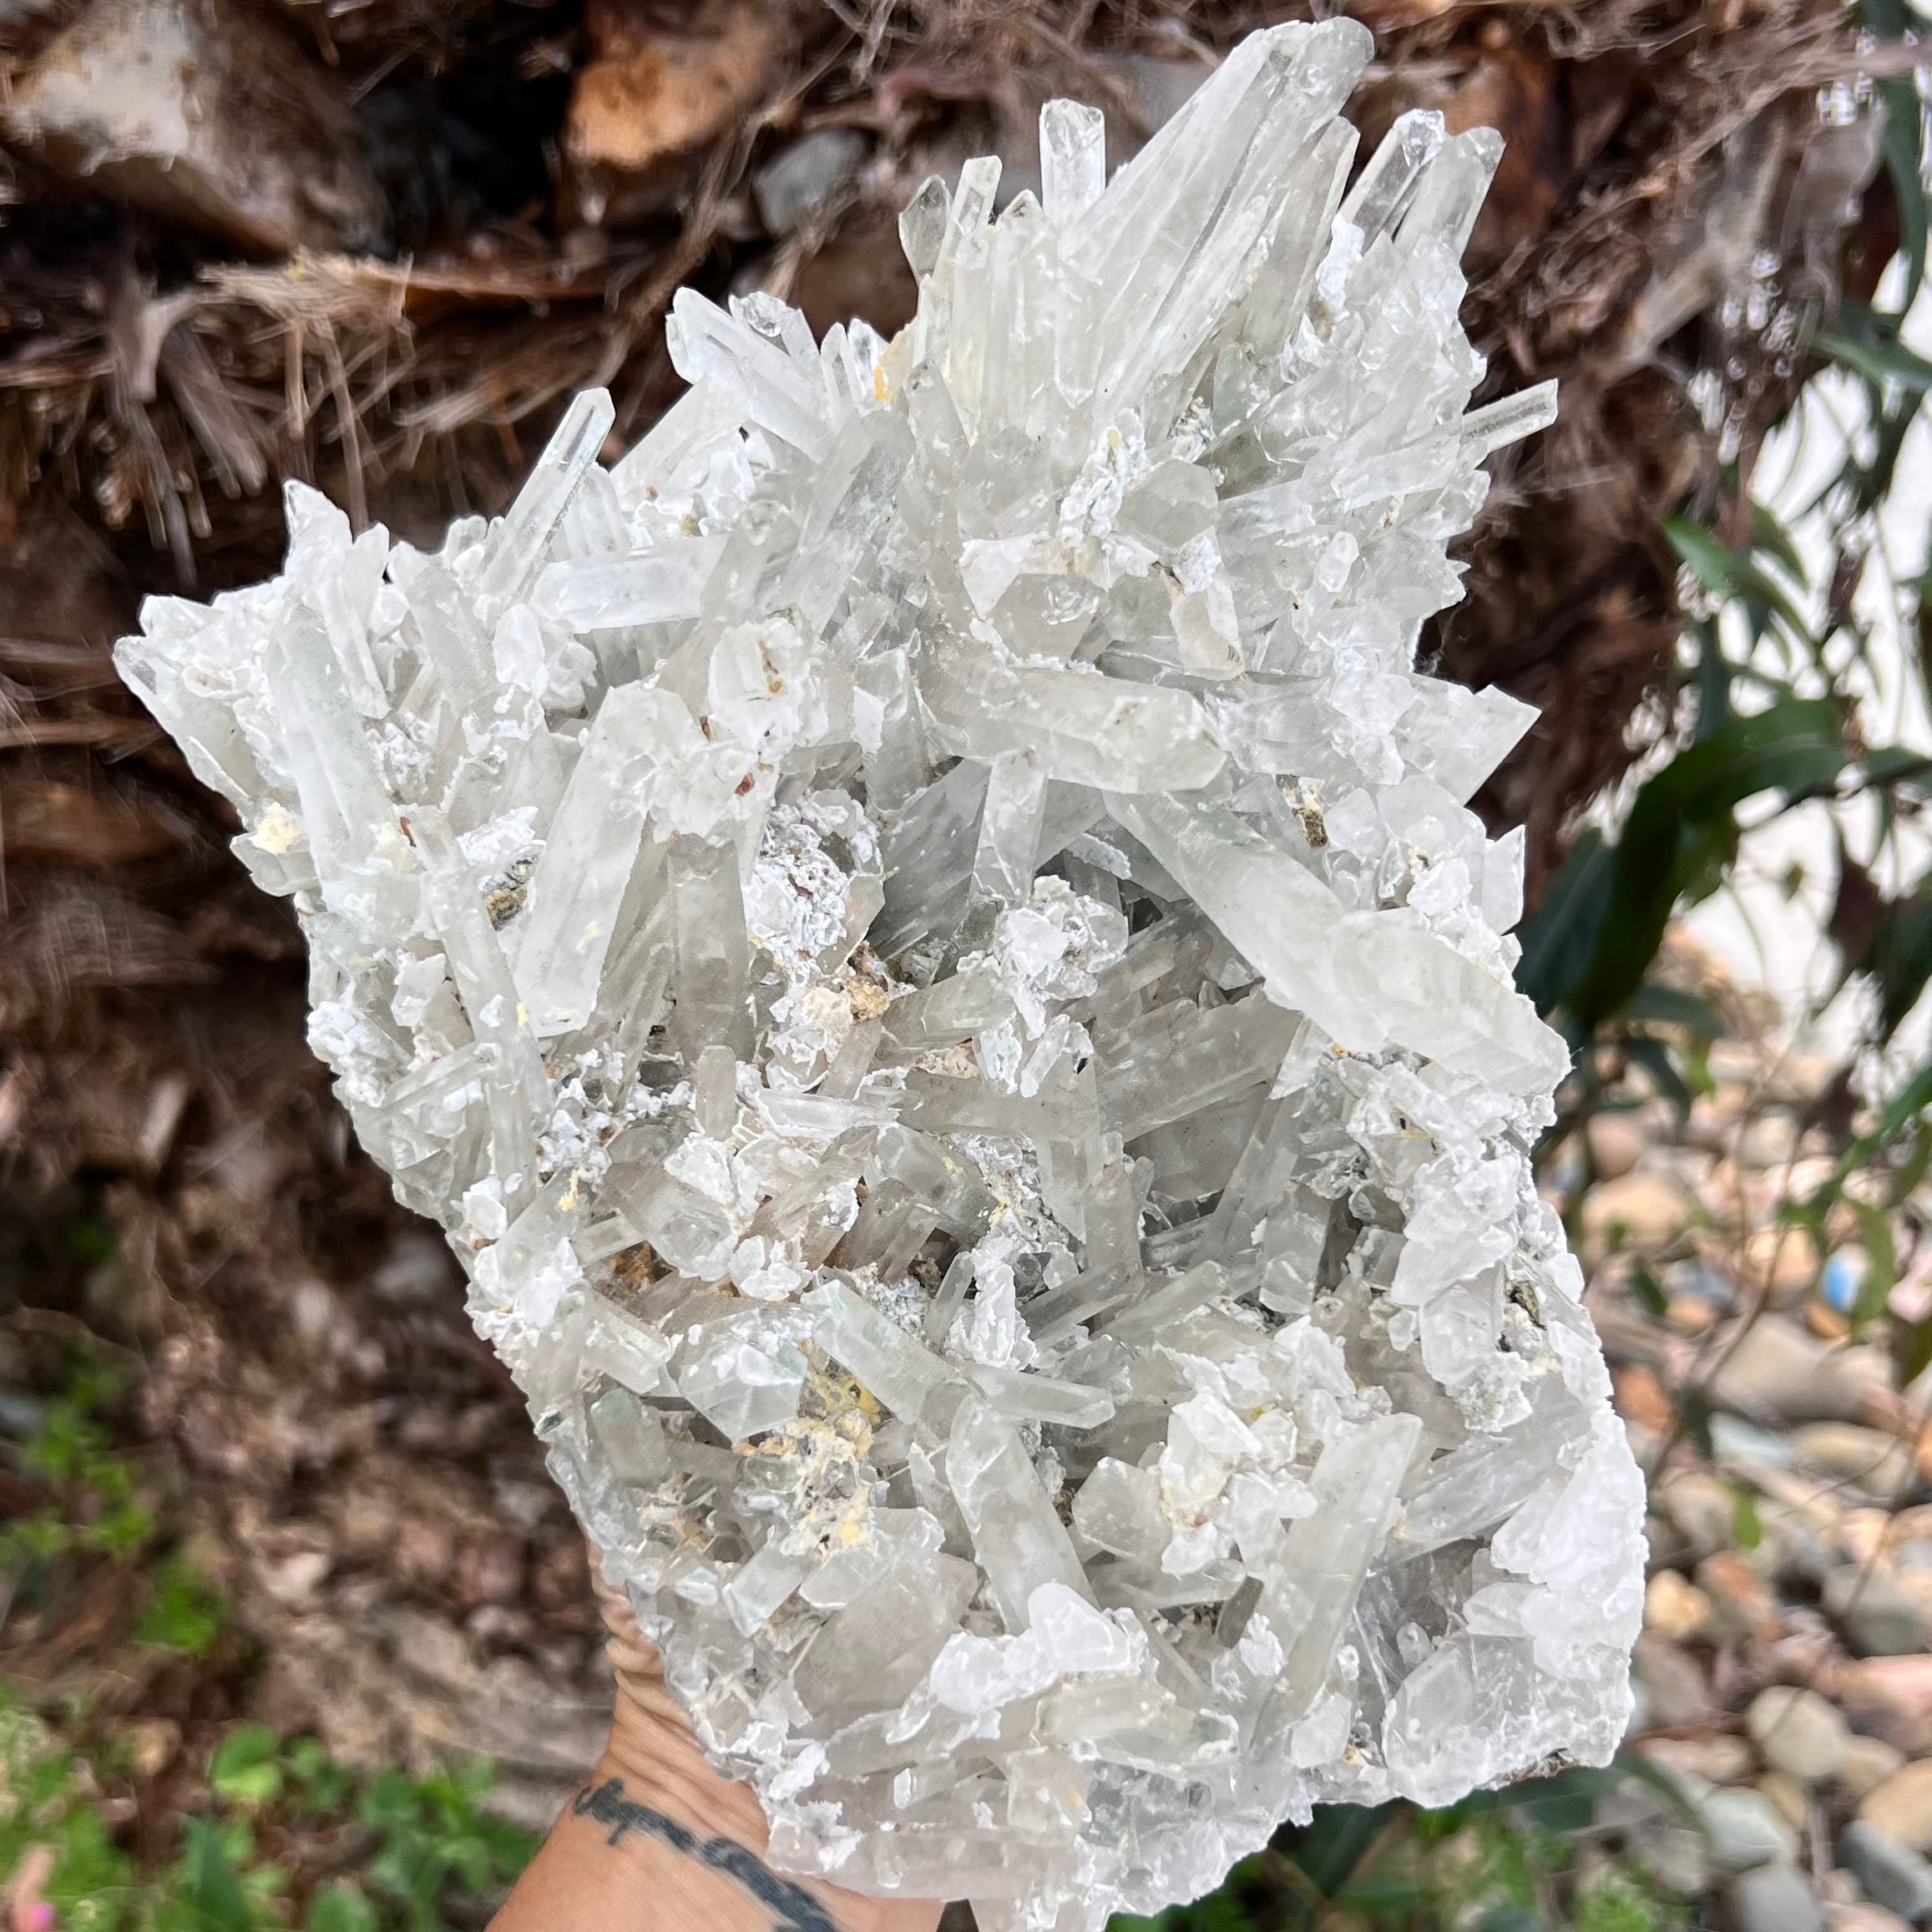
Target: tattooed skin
column 795, row 1908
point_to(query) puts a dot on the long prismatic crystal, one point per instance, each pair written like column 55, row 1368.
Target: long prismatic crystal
column 924, row 937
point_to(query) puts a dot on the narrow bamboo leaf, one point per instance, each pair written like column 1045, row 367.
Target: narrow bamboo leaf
column 1669, row 1006
column 1559, row 938
column 1878, row 361
column 1649, row 1290
column 1682, row 825
column 1727, row 574
column 1881, row 1263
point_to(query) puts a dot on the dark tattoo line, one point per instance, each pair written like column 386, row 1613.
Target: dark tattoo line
column 797, row 1910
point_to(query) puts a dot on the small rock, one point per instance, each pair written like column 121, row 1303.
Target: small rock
column 1677, row 1860
column 1877, row 1461
column 1875, row 1617
column 1675, row 1852
column 1859, row 1915
column 1867, row 1763
column 1738, row 1441
column 165, row 103
column 148, row 1745
column 1788, row 1794
column 1893, row 1875
column 809, row 175
column 1888, row 1698
column 1779, row 1373
column 1701, row 1507
column 1720, row 1758
column 1638, row 1211
column 1676, row 1608
column 1676, row 1691
column 1901, row 1808
column 1913, row 1580
column 1745, row 1830
column 1798, row 1733
column 1641, row 1399
column 1773, row 1899
column 1743, row 1599
column 652, row 94
column 1617, row 1142
column 294, row 1579
column 1767, row 1141
column 1780, row 1260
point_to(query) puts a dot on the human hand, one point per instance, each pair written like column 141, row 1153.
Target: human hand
column 657, row 1840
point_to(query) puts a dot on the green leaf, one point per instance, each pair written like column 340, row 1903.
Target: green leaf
column 1911, row 1360
column 1561, row 938
column 1566, row 1802
column 1747, row 1529
column 1898, row 955
column 1878, row 360
column 1922, row 634
column 1334, row 1842
column 1906, row 164
column 1382, row 1894
column 1695, row 1406
column 121, row 1532
column 246, row 1768
column 1681, row 823
column 1728, row 573
column 209, row 1888
column 184, row 1612
column 1666, row 1006
column 38, row 1539
column 1715, row 674
column 89, row 1241
column 1893, row 764
column 1906, row 1106
column 341, row 1909
column 1881, row 1263
column 1769, row 535
column 1648, row 1290
column 322, row 1786
column 1656, row 1058
column 1907, row 1174
column 1511, row 1919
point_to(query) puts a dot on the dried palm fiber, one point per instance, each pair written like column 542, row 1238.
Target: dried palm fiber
column 1661, row 172
column 121, row 341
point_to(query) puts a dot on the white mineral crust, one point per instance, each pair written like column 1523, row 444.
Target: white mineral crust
column 924, row 937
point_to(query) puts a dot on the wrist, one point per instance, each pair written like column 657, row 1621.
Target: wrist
column 660, row 1764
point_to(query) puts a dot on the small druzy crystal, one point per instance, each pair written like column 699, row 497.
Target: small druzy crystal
column 924, row 936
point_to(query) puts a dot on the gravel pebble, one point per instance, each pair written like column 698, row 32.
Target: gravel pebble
column 1867, row 1763
column 1746, row 1829
column 1773, row 1899
column 1892, row 1876
column 1876, row 1618
column 1901, row 1807
column 1798, row 1733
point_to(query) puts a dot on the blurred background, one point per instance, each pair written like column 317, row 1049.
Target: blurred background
column 294, row 1631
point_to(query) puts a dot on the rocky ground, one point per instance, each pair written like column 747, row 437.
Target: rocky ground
column 1783, row 1686
column 403, row 1582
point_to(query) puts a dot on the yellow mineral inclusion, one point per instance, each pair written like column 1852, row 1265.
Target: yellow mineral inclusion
column 279, row 830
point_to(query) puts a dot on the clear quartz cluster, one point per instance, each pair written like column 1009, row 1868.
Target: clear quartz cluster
column 924, row 937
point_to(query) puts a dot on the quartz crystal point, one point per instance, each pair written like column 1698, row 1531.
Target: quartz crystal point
column 924, row 937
